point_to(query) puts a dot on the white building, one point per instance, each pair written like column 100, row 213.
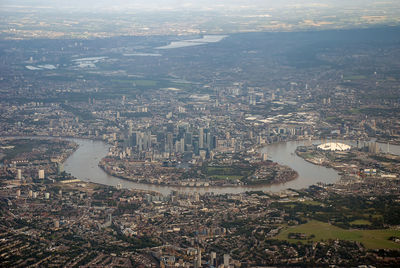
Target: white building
column 41, row 174
column 334, row 146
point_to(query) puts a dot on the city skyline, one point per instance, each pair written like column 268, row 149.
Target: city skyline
column 199, row 133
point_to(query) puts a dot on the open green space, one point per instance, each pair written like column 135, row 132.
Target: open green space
column 360, row 222
column 229, row 173
column 372, row 239
column 145, row 83
column 311, row 203
column 354, row 111
column 226, row 177
column 139, row 83
column 19, row 149
column 22, row 146
column 220, row 170
column 373, row 216
column 308, row 155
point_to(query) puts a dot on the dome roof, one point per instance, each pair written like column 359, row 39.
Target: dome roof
column 334, row 146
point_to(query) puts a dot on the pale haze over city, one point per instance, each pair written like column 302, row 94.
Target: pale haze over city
column 203, row 133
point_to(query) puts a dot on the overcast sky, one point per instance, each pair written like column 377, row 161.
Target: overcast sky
column 120, row 5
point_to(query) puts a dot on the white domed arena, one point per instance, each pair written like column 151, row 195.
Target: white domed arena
column 334, row 146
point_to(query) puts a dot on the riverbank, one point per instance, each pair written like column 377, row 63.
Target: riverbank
column 284, row 176
column 391, row 142
column 354, row 163
column 84, row 162
column 316, row 162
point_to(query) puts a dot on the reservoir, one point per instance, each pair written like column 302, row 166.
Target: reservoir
column 194, row 42
column 83, row 164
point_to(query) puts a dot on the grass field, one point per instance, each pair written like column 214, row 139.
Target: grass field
column 226, row 173
column 18, row 149
column 311, row 203
column 373, row 239
column 226, row 177
column 360, row 222
column 354, row 111
column 21, row 146
column 145, row 83
column 220, row 170
column 138, row 83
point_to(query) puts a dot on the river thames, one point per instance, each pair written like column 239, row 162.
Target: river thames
column 83, row 164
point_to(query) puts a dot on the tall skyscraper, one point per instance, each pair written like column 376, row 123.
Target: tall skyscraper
column 60, row 168
column 196, row 147
column 198, row 257
column 170, row 142
column 182, row 145
column 188, row 138
column 201, row 138
column 134, row 137
column 130, row 130
column 177, row 146
column 227, row 258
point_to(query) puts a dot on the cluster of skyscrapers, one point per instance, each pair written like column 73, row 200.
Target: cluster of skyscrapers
column 183, row 139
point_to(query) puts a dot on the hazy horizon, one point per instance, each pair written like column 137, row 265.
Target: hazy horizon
column 105, row 18
column 165, row 5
